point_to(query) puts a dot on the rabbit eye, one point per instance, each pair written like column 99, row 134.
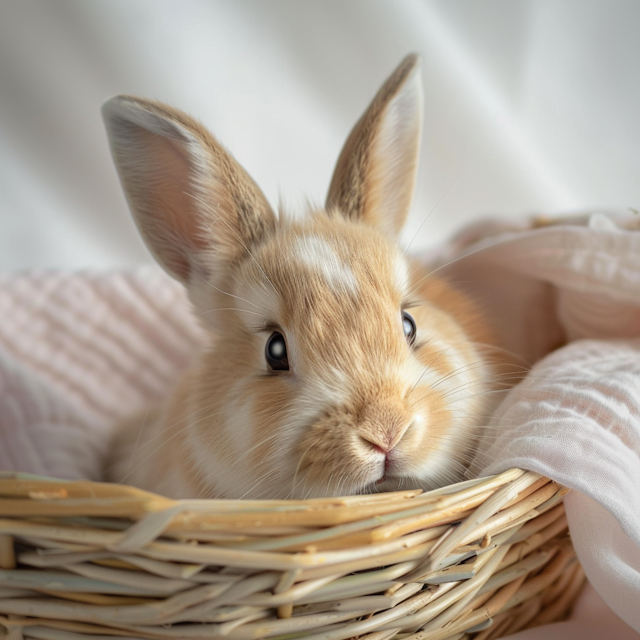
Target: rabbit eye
column 409, row 326
column 276, row 352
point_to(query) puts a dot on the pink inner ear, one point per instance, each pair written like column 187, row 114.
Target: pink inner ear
column 163, row 194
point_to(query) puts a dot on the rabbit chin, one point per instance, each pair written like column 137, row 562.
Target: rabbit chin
column 439, row 475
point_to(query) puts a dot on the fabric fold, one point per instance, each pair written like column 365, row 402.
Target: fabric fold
column 576, row 419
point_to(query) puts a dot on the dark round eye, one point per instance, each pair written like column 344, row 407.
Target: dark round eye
column 276, row 352
column 409, row 326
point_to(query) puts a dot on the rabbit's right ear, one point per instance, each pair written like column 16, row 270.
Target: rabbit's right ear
column 192, row 202
column 375, row 175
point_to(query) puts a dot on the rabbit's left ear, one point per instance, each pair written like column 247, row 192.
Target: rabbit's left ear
column 375, row 175
column 195, row 206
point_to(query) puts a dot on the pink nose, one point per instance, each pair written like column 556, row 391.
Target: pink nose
column 384, row 441
column 377, row 447
column 384, row 444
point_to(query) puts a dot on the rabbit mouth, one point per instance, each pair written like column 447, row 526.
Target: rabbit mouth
column 389, row 467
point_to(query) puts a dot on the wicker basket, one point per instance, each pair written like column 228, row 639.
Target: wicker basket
column 478, row 559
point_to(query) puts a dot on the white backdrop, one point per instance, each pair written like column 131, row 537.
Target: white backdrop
column 531, row 105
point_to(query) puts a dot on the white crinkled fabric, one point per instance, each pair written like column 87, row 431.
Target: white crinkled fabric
column 79, row 351
column 576, row 415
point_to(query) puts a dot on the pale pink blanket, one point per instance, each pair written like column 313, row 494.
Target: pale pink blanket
column 79, row 351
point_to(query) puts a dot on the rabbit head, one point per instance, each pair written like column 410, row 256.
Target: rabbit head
column 336, row 365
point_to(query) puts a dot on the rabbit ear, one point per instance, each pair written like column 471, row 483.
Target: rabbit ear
column 190, row 199
column 375, row 175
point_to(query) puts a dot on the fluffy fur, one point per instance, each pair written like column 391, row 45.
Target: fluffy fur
column 360, row 408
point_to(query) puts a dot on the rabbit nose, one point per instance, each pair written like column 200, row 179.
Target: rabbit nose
column 385, row 440
column 384, row 449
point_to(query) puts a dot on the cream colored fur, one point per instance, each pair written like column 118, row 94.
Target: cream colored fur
column 360, row 409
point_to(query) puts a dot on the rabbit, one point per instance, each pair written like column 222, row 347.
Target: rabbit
column 335, row 364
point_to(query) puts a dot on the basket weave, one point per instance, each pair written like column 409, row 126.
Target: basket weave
column 478, row 559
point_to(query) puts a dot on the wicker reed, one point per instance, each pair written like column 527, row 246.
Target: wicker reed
column 480, row 559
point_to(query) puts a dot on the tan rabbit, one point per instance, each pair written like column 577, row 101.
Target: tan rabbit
column 336, row 365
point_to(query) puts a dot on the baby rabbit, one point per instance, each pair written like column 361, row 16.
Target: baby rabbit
column 335, row 365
